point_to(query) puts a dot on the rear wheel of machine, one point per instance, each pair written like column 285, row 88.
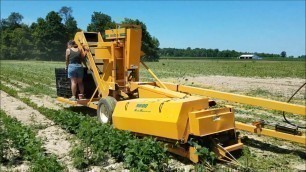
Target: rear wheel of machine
column 105, row 110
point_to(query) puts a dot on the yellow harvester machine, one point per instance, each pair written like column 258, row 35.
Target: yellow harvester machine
column 170, row 112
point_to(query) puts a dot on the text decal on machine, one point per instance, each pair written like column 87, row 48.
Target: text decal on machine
column 141, row 108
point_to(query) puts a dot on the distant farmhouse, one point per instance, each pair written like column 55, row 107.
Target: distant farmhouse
column 249, row 56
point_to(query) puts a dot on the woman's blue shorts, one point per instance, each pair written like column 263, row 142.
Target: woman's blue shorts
column 75, row 71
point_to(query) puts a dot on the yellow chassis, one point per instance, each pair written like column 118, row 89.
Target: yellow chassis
column 260, row 102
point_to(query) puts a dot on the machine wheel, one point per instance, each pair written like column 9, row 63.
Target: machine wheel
column 105, row 110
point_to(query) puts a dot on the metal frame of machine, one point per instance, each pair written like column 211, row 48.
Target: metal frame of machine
column 172, row 113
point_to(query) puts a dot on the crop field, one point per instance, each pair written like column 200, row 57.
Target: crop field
column 36, row 129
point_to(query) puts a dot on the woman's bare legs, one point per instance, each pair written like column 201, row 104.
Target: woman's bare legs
column 80, row 84
column 74, row 83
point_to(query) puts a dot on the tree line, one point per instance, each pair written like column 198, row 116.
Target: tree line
column 46, row 38
column 213, row 53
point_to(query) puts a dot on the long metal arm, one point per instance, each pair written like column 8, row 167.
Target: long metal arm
column 153, row 75
column 265, row 103
column 271, row 133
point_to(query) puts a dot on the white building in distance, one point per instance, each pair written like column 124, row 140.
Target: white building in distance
column 249, row 56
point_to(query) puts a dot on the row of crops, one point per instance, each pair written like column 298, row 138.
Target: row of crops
column 97, row 141
column 101, row 140
column 19, row 143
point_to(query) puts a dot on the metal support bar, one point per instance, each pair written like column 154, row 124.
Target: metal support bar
column 153, row 75
column 269, row 104
column 272, row 133
column 92, row 95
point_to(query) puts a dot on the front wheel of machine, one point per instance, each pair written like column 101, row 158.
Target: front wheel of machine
column 105, row 110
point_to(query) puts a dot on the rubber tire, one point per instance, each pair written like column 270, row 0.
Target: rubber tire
column 106, row 107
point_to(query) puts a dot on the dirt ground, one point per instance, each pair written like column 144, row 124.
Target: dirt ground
column 58, row 141
column 283, row 87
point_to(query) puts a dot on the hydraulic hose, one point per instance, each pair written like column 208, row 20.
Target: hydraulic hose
column 286, row 120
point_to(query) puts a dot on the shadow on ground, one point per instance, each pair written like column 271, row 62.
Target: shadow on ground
column 84, row 110
column 272, row 148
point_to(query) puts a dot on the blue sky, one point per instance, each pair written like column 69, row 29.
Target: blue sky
column 252, row 26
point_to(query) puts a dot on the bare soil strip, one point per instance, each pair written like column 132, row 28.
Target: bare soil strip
column 20, row 168
column 10, row 85
column 43, row 100
column 39, row 100
column 21, row 111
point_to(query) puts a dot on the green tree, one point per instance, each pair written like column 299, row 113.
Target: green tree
column 283, row 54
column 71, row 27
column 50, row 37
column 100, row 22
column 16, row 38
column 150, row 44
column 5, row 44
column 39, row 33
column 21, row 45
column 69, row 21
column 13, row 21
column 66, row 13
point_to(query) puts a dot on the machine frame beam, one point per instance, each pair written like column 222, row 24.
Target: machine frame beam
column 271, row 133
column 255, row 101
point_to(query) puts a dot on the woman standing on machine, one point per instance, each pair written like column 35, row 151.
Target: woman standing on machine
column 74, row 56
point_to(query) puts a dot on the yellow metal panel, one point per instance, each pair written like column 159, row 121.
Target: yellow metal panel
column 133, row 48
column 82, row 102
column 118, row 53
column 272, row 133
column 211, row 121
column 102, row 53
column 163, row 117
column 148, row 91
column 65, row 100
column 270, row 104
column 103, row 50
column 92, row 105
column 192, row 155
column 143, row 116
column 134, row 85
column 115, row 33
column 234, row 147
